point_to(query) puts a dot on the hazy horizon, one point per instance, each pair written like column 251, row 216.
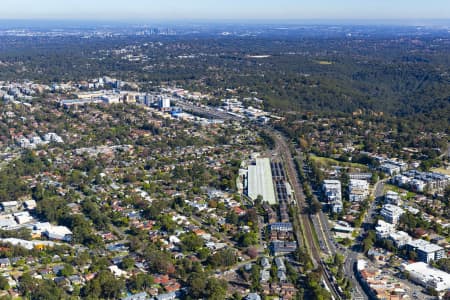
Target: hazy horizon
column 152, row 21
column 175, row 10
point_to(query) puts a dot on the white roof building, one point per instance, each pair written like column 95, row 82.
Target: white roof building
column 391, row 213
column 265, row 263
column 29, row 204
column 23, row 217
column 7, row 222
column 418, row 185
column 358, row 190
column 53, row 137
column 427, row 276
column 392, row 198
column 400, row 238
column 260, row 181
column 54, row 232
column 264, row 275
column 425, row 250
column 384, row 229
column 9, row 205
column 390, row 168
column 27, row 244
column 116, row 271
column 332, row 189
column 333, row 194
column 59, row 233
column 280, row 264
column 401, row 180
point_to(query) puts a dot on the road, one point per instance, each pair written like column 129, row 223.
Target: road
column 352, row 255
column 330, row 247
column 378, row 194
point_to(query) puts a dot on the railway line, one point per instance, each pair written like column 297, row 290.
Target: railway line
column 309, row 236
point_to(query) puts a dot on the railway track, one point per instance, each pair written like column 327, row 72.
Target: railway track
column 309, row 236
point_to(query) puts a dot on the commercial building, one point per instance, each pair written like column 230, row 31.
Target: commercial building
column 253, row 296
column 400, row 238
column 332, row 190
column 53, row 232
column 333, row 194
column 78, row 102
column 28, row 244
column 259, row 181
column 7, row 222
column 428, row 277
column 164, row 103
column 29, row 204
column 358, row 190
column 426, row 251
column 111, row 98
column 23, row 217
column 281, row 231
column 391, row 213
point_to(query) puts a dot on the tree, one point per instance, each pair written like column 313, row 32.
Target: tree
column 216, row 289
column 247, row 239
column 201, row 286
column 104, row 285
column 368, row 241
column 197, row 285
column 223, row 258
column 67, row 270
column 254, row 277
column 47, row 289
column 26, row 284
column 159, row 261
column 127, row 263
column 232, row 218
column 191, row 242
column 315, row 207
column 4, row 285
column 140, row 282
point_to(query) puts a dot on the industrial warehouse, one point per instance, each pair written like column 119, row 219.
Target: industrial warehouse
column 259, row 181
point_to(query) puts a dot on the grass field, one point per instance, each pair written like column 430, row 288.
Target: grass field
column 441, row 170
column 390, row 187
column 328, row 162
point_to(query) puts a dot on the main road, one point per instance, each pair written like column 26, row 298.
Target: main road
column 351, row 254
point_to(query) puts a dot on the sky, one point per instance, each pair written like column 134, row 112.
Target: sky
column 224, row 9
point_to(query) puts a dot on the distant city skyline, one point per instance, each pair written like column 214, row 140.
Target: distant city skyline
column 225, row 9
